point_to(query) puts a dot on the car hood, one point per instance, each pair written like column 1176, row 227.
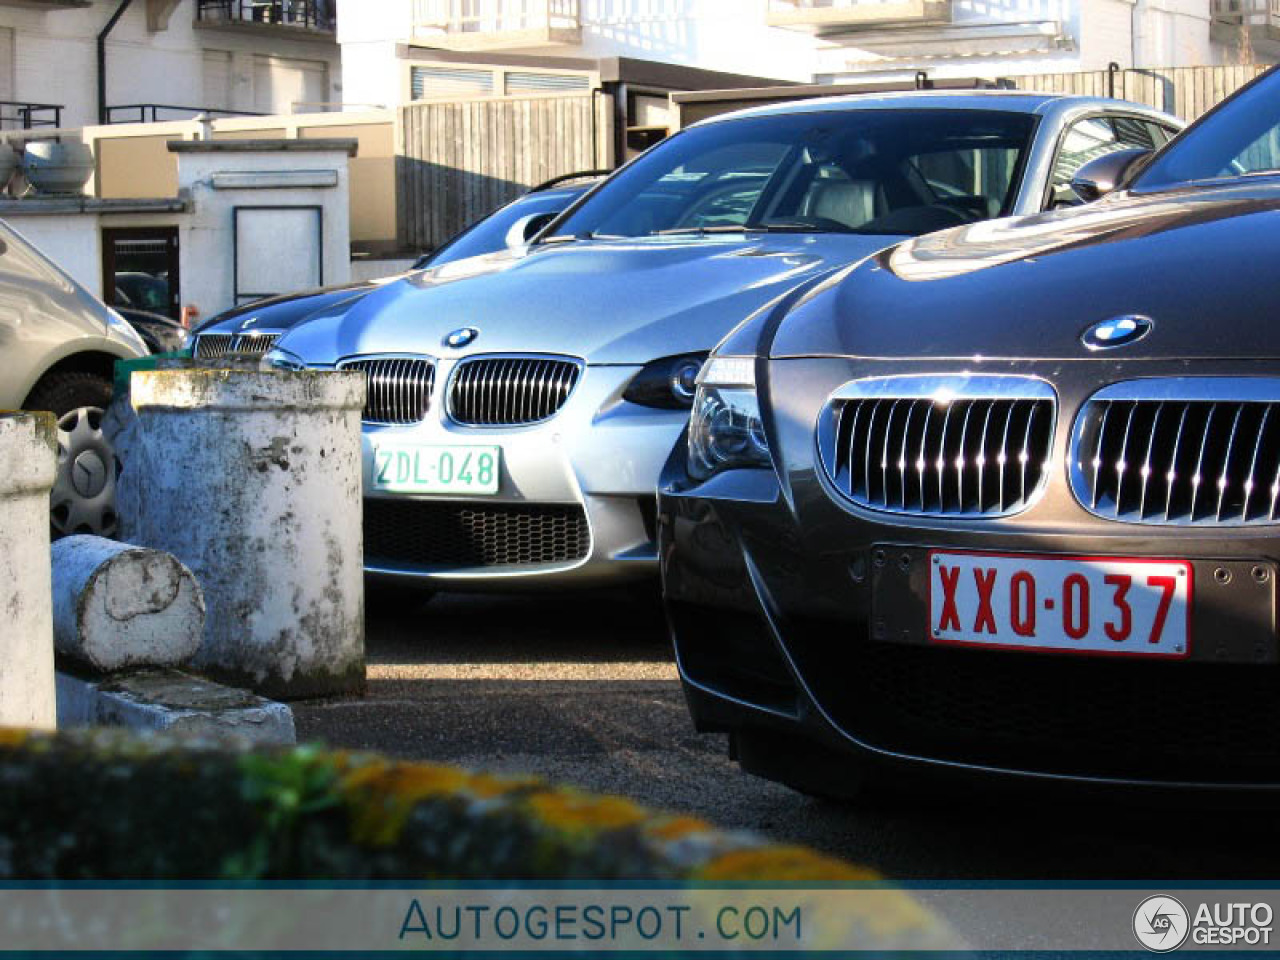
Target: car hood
column 606, row 301
column 283, row 312
column 1199, row 263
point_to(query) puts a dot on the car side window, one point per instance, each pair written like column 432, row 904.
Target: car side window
column 1089, row 139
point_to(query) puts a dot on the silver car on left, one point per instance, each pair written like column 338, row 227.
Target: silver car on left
column 58, row 349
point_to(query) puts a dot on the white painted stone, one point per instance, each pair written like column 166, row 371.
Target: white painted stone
column 27, row 464
column 117, row 606
column 167, row 700
column 253, row 480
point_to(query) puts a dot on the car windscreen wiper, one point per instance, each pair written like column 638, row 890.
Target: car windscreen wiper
column 779, row 227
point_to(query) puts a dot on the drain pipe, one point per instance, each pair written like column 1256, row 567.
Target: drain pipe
column 102, row 58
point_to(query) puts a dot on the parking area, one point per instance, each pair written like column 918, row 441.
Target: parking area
column 581, row 689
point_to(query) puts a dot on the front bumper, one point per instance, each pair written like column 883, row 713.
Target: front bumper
column 574, row 507
column 798, row 615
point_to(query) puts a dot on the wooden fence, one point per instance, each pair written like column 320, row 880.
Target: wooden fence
column 1186, row 92
column 458, row 161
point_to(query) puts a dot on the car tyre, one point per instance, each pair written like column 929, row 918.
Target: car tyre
column 84, row 489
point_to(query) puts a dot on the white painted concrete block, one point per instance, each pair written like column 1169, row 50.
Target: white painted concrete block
column 253, row 480
column 167, row 700
column 117, row 606
column 27, row 464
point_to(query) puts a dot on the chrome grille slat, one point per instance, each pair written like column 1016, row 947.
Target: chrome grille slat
column 1250, row 483
column 916, row 431
column 399, row 388
column 511, row 390
column 1224, row 479
column 1212, row 442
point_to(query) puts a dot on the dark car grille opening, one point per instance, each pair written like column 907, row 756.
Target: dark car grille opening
column 1179, row 461
column 399, row 388
column 216, row 346
column 442, row 535
column 733, row 654
column 968, row 457
column 1128, row 719
column 511, row 391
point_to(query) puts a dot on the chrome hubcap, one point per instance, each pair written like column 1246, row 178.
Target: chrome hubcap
column 84, row 492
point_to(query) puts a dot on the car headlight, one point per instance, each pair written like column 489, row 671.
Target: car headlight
column 725, row 429
column 668, row 384
column 277, row 359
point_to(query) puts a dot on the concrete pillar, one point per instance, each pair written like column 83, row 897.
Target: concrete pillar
column 117, row 606
column 27, row 463
column 253, row 480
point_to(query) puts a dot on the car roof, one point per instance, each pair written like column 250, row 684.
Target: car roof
column 1013, row 101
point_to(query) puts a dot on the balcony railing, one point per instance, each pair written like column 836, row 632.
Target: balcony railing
column 495, row 24
column 15, row 115
column 157, row 112
column 307, row 14
column 1251, row 12
column 841, row 16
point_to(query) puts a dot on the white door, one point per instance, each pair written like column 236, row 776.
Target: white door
column 217, row 80
column 283, row 85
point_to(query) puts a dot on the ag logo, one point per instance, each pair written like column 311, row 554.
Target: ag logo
column 460, row 338
column 1117, row 332
column 1161, row 924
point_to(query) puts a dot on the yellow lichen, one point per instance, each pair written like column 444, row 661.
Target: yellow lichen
column 777, row 864
column 567, row 810
column 13, row 738
column 677, row 828
column 381, row 796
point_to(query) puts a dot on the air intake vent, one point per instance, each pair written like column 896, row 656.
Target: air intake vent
column 216, row 346
column 1203, row 451
column 511, row 391
column 439, row 535
column 940, row 446
column 399, row 387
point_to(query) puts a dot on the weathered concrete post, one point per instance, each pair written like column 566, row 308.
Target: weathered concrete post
column 253, row 480
column 27, row 463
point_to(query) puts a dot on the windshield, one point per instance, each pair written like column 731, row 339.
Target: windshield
column 490, row 234
column 1241, row 137
column 893, row 172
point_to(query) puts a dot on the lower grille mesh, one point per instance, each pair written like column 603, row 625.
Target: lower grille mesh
column 1085, row 716
column 442, row 535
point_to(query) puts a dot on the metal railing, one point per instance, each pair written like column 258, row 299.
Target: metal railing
column 16, row 115
column 156, row 112
column 1251, row 12
column 497, row 16
column 311, row 14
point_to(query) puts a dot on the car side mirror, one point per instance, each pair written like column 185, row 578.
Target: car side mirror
column 1103, row 174
column 526, row 228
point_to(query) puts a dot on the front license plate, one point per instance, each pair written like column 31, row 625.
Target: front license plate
column 1103, row 606
column 418, row 468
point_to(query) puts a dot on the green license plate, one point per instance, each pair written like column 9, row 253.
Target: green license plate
column 417, row 468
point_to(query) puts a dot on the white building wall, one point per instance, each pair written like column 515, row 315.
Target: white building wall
column 55, row 59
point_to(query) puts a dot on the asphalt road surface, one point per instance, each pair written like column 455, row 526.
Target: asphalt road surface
column 581, row 689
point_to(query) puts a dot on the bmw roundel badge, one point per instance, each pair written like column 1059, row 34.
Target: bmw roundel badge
column 460, row 338
column 1117, row 332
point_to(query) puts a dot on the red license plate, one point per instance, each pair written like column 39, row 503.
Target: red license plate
column 1087, row 605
